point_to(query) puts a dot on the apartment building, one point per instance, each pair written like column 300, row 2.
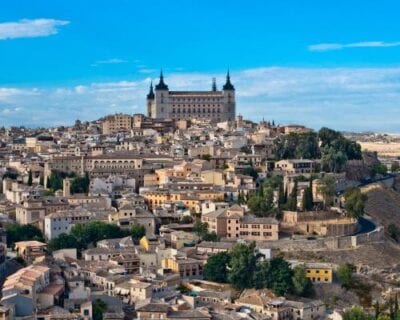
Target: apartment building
column 233, row 223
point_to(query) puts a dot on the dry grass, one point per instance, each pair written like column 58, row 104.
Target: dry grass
column 383, row 204
column 391, row 149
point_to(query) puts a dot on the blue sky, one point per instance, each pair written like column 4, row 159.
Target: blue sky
column 318, row 63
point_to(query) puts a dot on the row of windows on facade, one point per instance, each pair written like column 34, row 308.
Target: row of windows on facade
column 198, row 105
column 195, row 99
column 237, row 229
column 254, row 226
column 71, row 218
column 255, row 233
column 317, row 271
column 194, row 111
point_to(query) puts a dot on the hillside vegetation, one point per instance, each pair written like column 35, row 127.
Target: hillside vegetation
column 383, row 204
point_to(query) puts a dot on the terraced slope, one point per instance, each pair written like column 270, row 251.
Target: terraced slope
column 383, row 204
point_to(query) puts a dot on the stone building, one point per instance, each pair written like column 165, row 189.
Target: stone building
column 233, row 223
column 214, row 105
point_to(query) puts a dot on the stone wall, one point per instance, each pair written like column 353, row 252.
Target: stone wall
column 327, row 243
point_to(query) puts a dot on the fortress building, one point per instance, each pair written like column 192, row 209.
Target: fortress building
column 213, row 105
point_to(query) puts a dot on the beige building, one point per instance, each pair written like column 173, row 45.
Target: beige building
column 117, row 122
column 30, row 212
column 187, row 268
column 298, row 166
column 213, row 105
column 29, row 250
column 323, row 223
column 232, row 223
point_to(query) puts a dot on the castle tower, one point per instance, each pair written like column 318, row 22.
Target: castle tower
column 161, row 99
column 150, row 100
column 229, row 99
column 66, row 187
column 214, row 85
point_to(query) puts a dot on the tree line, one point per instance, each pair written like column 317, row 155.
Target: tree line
column 244, row 268
column 84, row 234
column 328, row 145
column 78, row 184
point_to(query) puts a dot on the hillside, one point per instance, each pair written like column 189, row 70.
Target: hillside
column 383, row 204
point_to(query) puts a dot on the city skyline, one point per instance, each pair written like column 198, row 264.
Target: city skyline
column 289, row 62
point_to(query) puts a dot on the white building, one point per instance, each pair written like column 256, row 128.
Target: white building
column 62, row 221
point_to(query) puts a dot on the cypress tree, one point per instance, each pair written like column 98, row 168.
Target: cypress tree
column 293, row 198
column 282, row 195
column 307, row 199
column 30, row 179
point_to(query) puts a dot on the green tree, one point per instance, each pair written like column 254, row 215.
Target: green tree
column 395, row 167
column 327, row 189
column 206, row 157
column 393, row 231
column 99, row 307
column 92, row 232
column 307, row 202
column 356, row 313
column 332, row 160
column 138, row 231
column 16, row 232
column 80, row 184
column 379, row 168
column 242, row 265
column 216, row 267
column 55, row 180
column 200, row 228
column 297, row 146
column 241, row 199
column 273, row 182
column 336, row 150
column 30, row 178
column 281, row 193
column 302, row 286
column 327, row 136
column 257, row 205
column 63, row 241
column 210, row 236
column 355, row 202
column 186, row 220
column 250, row 171
column 10, row 175
column 275, row 274
column 292, row 202
column 345, row 274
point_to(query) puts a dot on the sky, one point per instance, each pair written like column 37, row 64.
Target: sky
column 317, row 63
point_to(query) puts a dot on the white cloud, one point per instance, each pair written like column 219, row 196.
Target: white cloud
column 342, row 98
column 109, row 61
column 339, row 46
column 11, row 111
column 30, row 28
column 80, row 89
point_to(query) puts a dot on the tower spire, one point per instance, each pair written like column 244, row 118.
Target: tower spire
column 228, row 85
column 214, row 85
column 150, row 95
column 161, row 84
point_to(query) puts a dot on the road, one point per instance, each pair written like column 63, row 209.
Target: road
column 366, row 226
